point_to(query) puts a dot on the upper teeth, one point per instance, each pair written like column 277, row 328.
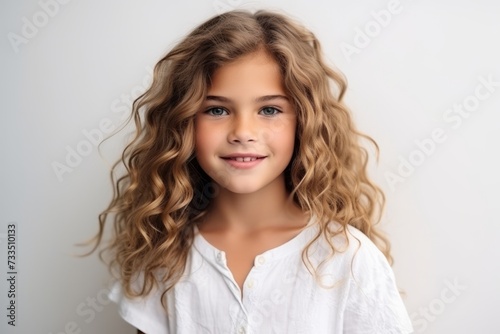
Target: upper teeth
column 244, row 158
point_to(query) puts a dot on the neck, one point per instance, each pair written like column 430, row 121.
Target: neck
column 269, row 207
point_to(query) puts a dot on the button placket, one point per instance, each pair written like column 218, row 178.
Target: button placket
column 220, row 256
column 260, row 260
column 251, row 283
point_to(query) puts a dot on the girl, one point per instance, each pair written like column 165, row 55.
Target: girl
column 246, row 206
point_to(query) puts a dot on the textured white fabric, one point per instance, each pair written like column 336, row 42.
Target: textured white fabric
column 279, row 294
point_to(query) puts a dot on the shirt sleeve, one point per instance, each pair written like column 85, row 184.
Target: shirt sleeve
column 144, row 313
column 374, row 305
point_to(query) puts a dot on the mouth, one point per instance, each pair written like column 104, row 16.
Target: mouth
column 243, row 159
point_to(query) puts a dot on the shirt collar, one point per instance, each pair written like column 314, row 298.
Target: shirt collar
column 296, row 244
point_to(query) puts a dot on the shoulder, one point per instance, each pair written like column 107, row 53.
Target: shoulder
column 355, row 260
column 354, row 250
column 145, row 313
column 373, row 304
column 370, row 271
column 367, row 258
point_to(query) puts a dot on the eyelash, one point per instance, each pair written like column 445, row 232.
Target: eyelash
column 208, row 111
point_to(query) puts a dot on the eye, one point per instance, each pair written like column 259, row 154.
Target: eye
column 216, row 111
column 269, row 111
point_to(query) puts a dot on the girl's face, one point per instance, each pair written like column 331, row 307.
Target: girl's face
column 246, row 128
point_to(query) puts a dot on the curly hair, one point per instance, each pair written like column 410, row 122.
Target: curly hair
column 163, row 190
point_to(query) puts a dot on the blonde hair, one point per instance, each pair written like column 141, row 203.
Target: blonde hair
column 164, row 190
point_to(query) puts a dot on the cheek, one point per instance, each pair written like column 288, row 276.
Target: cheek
column 206, row 139
column 281, row 134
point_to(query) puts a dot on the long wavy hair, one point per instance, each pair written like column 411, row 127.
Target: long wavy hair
column 163, row 191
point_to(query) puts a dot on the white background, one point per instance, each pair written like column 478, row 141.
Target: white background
column 74, row 73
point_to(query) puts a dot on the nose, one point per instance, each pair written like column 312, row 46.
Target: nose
column 243, row 130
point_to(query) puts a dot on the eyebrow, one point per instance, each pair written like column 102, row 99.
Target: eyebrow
column 264, row 98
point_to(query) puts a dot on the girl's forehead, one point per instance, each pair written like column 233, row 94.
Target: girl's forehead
column 253, row 74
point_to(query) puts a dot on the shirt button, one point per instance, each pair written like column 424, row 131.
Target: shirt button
column 261, row 260
column 241, row 330
column 250, row 283
column 219, row 256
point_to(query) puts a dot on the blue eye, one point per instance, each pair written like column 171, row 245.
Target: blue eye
column 216, row 111
column 269, row 111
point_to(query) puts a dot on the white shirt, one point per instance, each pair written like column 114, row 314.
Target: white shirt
column 279, row 294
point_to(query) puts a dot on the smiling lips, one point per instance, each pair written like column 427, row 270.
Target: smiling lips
column 243, row 160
